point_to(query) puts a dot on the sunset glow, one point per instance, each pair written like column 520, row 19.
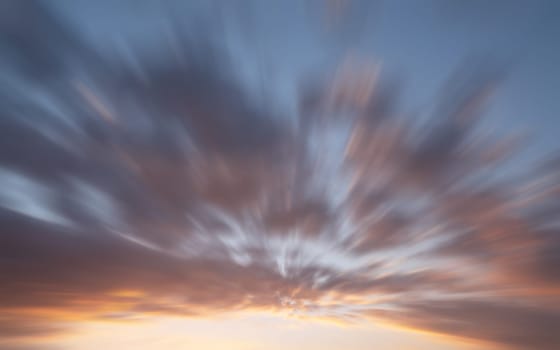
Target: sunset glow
column 247, row 175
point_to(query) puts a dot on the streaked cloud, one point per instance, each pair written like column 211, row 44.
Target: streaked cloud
column 161, row 186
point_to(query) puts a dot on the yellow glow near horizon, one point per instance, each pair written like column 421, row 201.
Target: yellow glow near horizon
column 253, row 331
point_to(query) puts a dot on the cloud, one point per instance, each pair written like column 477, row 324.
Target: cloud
column 161, row 186
column 511, row 325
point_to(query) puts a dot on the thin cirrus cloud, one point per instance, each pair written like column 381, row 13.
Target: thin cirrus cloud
column 164, row 188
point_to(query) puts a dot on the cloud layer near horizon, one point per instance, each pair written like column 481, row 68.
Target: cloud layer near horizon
column 163, row 186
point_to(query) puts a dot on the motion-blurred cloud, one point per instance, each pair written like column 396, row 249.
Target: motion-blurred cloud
column 160, row 185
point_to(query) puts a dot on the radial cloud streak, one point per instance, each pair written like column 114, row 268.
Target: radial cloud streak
column 156, row 183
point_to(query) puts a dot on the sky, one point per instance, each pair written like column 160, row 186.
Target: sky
column 247, row 175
